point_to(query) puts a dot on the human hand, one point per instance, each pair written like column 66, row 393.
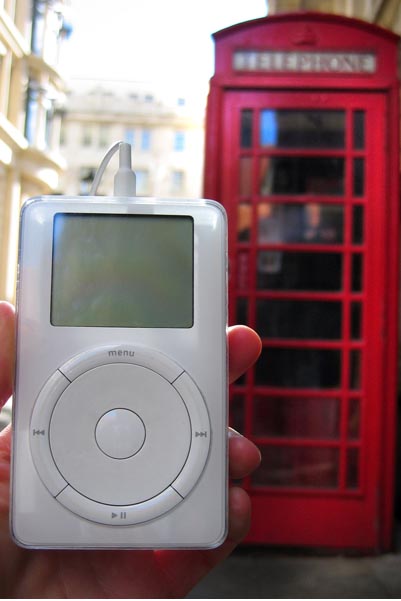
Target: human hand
column 118, row 574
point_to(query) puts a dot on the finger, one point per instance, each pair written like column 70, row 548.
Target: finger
column 7, row 350
column 188, row 567
column 239, row 518
column 244, row 455
column 244, row 346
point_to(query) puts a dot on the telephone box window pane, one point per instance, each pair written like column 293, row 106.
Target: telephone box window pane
column 245, row 176
column 356, row 320
column 354, row 419
column 356, row 273
column 246, row 128
column 244, row 221
column 285, row 270
column 243, row 270
column 313, row 418
column 359, row 177
column 352, row 468
column 302, row 175
column 355, row 370
column 319, row 320
column 298, row 368
column 357, row 224
column 269, row 128
column 302, row 128
column 272, row 225
column 296, row 466
column 237, row 412
column 308, row 223
column 242, row 311
column 359, row 130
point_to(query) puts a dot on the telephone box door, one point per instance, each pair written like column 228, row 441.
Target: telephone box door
column 303, row 186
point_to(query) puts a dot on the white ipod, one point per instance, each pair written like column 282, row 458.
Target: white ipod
column 120, row 406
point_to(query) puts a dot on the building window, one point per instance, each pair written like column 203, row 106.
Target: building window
column 31, row 111
column 39, row 113
column 177, row 182
column 179, row 141
column 49, row 108
column 48, row 29
column 142, row 182
column 145, row 139
column 104, row 136
column 86, row 139
column 39, row 10
column 63, row 134
column 129, row 137
column 86, row 177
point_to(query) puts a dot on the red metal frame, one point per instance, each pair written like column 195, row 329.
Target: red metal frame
column 332, row 516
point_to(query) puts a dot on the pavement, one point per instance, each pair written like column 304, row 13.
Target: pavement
column 263, row 573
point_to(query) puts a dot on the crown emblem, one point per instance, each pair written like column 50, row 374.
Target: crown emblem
column 305, row 37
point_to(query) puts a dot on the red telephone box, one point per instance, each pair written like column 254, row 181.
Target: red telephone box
column 302, row 149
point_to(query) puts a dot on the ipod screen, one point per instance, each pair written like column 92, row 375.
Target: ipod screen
column 122, row 271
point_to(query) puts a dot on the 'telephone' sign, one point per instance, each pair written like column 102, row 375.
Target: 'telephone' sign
column 304, row 62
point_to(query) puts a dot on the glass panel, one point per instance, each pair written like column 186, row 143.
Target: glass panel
column 318, row 320
column 246, row 128
column 359, row 130
column 284, row 270
column 296, row 417
column 298, row 368
column 245, row 176
column 269, row 262
column 301, row 175
column 309, row 223
column 357, row 224
column 242, row 311
column 356, row 273
column 356, row 320
column 355, row 370
column 352, row 468
column 359, row 177
column 272, row 224
column 237, row 412
column 354, row 419
column 270, row 128
column 243, row 270
column 298, row 466
column 244, row 221
column 302, row 128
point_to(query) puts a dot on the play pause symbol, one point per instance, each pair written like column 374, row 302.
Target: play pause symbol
column 122, row 516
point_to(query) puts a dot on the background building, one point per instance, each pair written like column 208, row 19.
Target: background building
column 165, row 133
column 31, row 90
column 386, row 13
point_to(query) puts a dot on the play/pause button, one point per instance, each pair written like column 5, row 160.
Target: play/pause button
column 122, row 515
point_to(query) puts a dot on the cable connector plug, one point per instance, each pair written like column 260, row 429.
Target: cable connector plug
column 125, row 178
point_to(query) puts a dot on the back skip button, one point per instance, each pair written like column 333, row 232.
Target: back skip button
column 39, row 433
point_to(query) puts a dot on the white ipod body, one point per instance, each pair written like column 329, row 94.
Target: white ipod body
column 120, row 405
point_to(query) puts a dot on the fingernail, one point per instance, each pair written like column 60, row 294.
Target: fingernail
column 232, row 433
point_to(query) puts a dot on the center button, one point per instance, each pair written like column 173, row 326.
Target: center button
column 120, row 433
